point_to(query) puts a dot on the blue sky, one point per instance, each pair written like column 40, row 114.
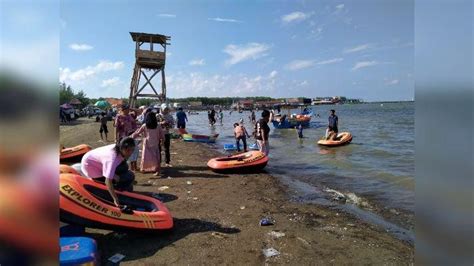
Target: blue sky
column 360, row 49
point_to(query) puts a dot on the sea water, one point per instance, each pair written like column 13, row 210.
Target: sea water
column 378, row 165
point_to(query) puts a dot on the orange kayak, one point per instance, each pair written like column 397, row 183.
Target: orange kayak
column 67, row 169
column 247, row 161
column 343, row 138
column 85, row 202
column 74, row 152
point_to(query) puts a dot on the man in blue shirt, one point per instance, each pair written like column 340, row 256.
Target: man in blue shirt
column 181, row 118
column 332, row 125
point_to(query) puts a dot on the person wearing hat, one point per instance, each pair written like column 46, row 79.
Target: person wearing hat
column 167, row 123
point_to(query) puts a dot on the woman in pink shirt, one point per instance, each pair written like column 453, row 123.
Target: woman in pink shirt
column 109, row 164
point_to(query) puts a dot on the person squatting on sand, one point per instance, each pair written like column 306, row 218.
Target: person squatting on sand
column 108, row 164
column 152, row 135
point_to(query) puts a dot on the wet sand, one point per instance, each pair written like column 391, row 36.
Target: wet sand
column 217, row 218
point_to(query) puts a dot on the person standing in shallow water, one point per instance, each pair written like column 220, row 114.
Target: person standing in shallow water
column 261, row 132
column 333, row 122
column 181, row 118
column 221, row 116
column 299, row 129
column 253, row 119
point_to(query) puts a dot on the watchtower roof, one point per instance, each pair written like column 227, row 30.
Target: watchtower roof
column 147, row 38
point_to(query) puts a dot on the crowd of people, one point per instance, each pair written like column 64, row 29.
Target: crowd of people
column 149, row 130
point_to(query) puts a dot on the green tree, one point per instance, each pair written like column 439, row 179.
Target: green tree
column 66, row 93
column 81, row 96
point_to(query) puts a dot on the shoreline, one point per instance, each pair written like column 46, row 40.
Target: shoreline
column 217, row 218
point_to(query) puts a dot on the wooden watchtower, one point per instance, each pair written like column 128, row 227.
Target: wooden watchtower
column 150, row 61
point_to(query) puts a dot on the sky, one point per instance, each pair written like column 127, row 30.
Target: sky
column 358, row 49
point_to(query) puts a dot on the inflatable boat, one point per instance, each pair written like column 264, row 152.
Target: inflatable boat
column 242, row 162
column 74, row 153
column 67, row 169
column 342, row 138
column 233, row 147
column 200, row 138
column 85, row 202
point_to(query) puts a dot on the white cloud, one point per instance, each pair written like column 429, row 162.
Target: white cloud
column 110, row 82
column 80, row 47
column 358, row 48
column 273, row 74
column 202, row 84
column 330, row 61
column 392, row 82
column 303, row 83
column 164, row 15
column 245, row 52
column 168, row 54
column 363, row 64
column 197, row 62
column 231, row 20
column 300, row 64
column 66, row 74
column 295, row 17
column 340, row 6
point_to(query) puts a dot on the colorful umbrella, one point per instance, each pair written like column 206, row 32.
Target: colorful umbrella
column 101, row 104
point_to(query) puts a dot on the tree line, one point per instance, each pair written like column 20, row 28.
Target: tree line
column 67, row 93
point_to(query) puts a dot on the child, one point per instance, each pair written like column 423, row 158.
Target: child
column 300, row 131
column 103, row 126
column 240, row 133
column 152, row 136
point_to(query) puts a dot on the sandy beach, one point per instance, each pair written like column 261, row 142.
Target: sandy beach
column 217, row 218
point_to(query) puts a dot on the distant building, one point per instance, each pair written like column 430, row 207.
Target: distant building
column 268, row 104
column 246, row 104
column 114, row 102
column 195, row 104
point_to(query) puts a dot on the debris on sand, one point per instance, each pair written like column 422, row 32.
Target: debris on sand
column 163, row 188
column 116, row 258
column 304, row 241
column 189, row 183
column 267, row 221
column 270, row 252
column 276, row 234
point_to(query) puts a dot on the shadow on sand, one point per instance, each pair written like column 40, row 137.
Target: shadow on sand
column 142, row 245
